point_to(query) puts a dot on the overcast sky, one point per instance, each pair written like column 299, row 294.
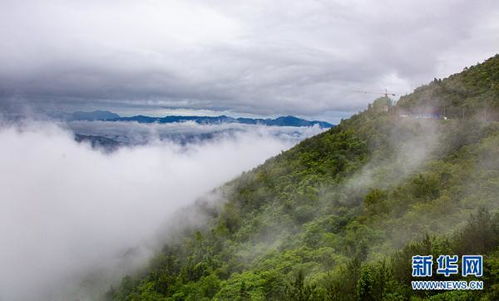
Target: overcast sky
column 307, row 58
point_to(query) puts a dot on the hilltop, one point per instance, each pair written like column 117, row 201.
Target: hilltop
column 339, row 216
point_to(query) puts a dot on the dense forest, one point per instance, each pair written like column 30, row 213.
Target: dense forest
column 339, row 216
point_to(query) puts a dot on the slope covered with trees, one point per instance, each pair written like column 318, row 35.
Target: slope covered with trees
column 339, row 216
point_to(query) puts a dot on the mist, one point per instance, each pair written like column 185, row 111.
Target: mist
column 411, row 142
column 68, row 211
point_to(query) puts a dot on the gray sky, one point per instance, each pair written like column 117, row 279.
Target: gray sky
column 306, row 58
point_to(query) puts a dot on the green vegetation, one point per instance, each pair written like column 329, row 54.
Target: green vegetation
column 471, row 93
column 339, row 216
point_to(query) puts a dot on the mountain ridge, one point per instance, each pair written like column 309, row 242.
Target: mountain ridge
column 340, row 215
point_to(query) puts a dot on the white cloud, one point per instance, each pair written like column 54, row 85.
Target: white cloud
column 67, row 210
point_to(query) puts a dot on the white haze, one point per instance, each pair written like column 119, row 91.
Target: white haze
column 67, row 211
column 412, row 149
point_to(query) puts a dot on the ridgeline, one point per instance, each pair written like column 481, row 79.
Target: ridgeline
column 339, row 216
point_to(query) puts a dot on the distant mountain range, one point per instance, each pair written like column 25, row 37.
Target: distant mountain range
column 279, row 121
column 95, row 115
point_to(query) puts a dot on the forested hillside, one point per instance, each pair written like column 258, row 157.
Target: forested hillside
column 339, row 216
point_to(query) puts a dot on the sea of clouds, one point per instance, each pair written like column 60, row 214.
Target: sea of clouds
column 74, row 219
